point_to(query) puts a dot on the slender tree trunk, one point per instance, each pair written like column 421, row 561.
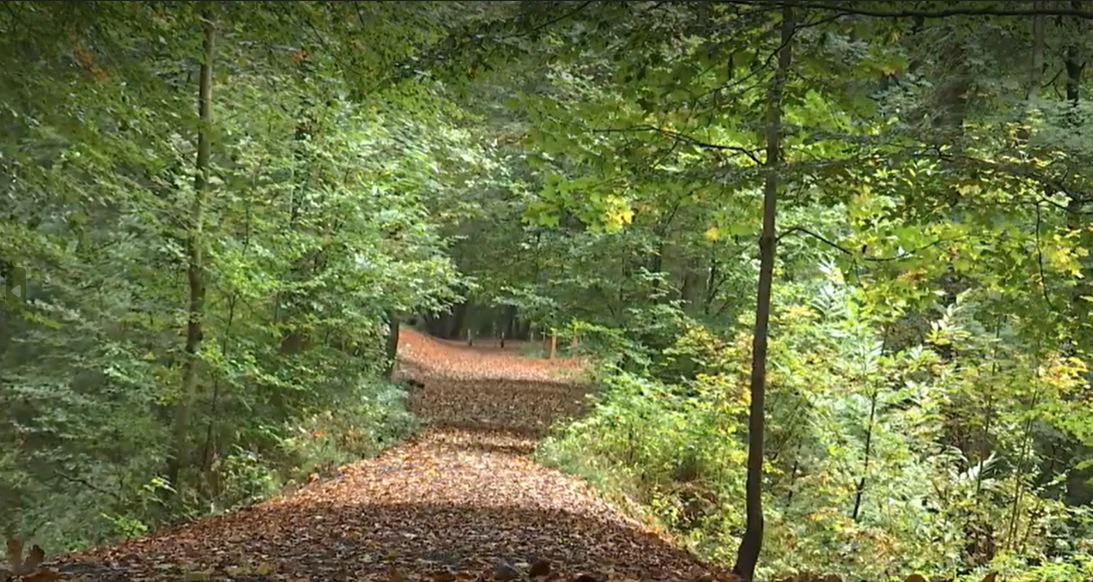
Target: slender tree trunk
column 1036, row 67
column 748, row 555
column 509, row 329
column 860, row 490
column 1074, row 63
column 712, row 283
column 688, row 289
column 196, row 269
column 459, row 315
column 392, row 342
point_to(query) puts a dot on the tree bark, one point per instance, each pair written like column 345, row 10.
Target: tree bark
column 1036, row 67
column 859, row 492
column 509, row 329
column 459, row 315
column 392, row 343
column 751, row 544
column 1074, row 63
column 688, row 289
column 196, row 268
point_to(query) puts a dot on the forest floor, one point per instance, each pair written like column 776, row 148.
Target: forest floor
column 461, row 500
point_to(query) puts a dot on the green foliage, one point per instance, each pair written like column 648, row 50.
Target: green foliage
column 594, row 170
column 836, row 391
column 357, row 427
column 927, row 373
column 319, row 219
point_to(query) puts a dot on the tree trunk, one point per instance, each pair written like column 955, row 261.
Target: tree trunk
column 1036, row 67
column 392, row 343
column 196, row 269
column 752, row 542
column 859, row 492
column 1074, row 64
column 459, row 315
column 510, row 321
column 688, row 290
column 713, row 281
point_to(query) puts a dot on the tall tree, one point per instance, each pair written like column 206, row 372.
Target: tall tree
column 752, row 542
column 195, row 246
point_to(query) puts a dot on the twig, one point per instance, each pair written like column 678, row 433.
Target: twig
column 832, row 244
column 1040, row 261
column 554, row 20
column 1051, row 83
column 89, row 485
column 681, row 137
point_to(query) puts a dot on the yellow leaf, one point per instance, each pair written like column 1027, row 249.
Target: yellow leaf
column 712, row 233
column 968, row 189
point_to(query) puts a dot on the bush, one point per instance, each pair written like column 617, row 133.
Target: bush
column 369, row 419
column 868, row 473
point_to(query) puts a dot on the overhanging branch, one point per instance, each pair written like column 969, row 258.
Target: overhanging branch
column 682, row 137
column 859, row 255
column 846, row 10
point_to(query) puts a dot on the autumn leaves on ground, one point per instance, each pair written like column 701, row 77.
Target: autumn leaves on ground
column 461, row 501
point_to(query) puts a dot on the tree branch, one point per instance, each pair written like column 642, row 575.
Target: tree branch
column 1040, row 261
column 682, row 137
column 847, row 10
column 88, row 484
column 554, row 20
column 858, row 255
column 1020, row 171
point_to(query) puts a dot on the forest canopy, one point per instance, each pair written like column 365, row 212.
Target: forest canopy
column 830, row 261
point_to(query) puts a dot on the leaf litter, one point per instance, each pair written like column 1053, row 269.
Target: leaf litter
column 461, row 501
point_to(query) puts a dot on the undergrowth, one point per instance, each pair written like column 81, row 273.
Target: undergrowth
column 864, row 495
column 265, row 461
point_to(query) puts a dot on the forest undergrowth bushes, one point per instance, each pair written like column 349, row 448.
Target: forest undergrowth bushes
column 107, row 498
column 207, row 288
column 882, row 459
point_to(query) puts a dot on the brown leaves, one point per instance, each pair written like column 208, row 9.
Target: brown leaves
column 540, row 568
column 488, row 387
column 454, row 504
column 15, row 555
column 453, row 360
column 26, row 569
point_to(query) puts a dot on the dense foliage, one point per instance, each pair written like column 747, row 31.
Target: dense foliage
column 311, row 217
column 199, row 329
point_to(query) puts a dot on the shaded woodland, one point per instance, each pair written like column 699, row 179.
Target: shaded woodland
column 825, row 265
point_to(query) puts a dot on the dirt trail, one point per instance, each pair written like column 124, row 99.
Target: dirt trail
column 446, row 506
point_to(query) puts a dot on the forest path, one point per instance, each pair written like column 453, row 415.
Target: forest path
column 448, row 505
